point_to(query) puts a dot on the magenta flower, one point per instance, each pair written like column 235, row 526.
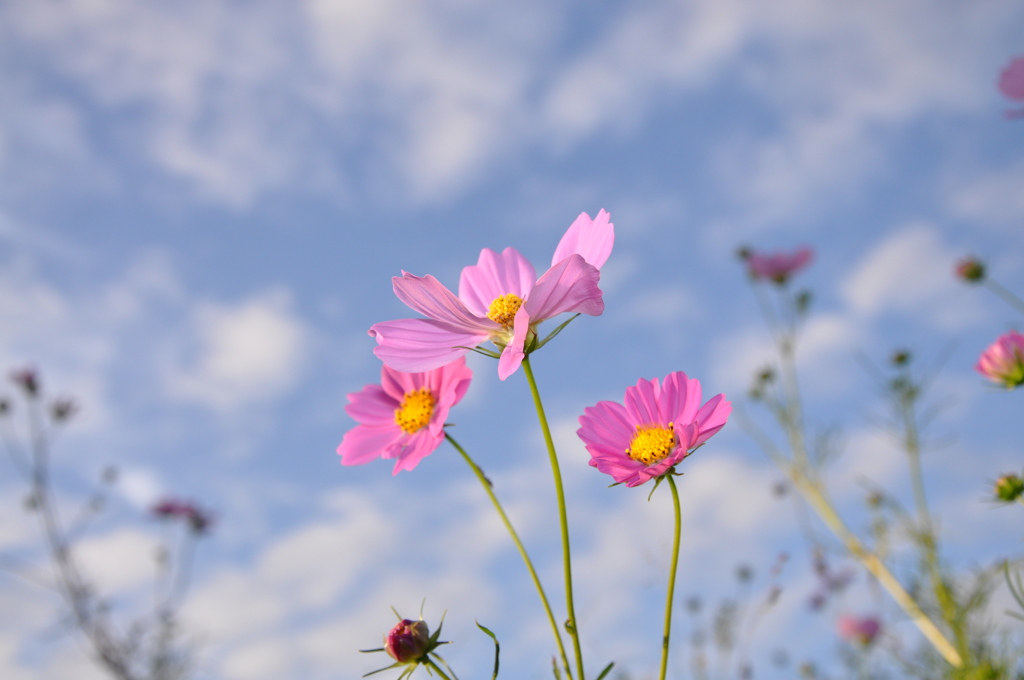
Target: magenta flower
column 1003, row 361
column 500, row 300
column 1011, row 83
column 777, row 267
column 403, row 417
column 408, row 641
column 198, row 520
column 862, row 630
column 659, row 425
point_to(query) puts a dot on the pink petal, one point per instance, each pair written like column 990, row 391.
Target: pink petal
column 711, row 418
column 642, row 402
column 591, row 239
column 1011, row 81
column 513, row 353
column 450, row 381
column 606, row 427
column 372, row 406
column 680, row 398
column 417, row 345
column 569, row 286
column 428, row 297
column 420, row 445
column 495, row 275
column 364, row 443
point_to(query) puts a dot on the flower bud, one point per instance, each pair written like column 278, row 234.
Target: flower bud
column 1009, row 488
column 970, row 269
column 408, row 642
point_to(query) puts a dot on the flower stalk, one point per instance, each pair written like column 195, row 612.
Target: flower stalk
column 571, row 623
column 671, row 577
column 486, row 484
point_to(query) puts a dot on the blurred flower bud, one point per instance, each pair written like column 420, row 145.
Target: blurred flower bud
column 803, row 301
column 1009, row 488
column 862, row 630
column 27, row 380
column 408, row 642
column 901, row 357
column 744, row 253
column 970, row 269
column 62, row 409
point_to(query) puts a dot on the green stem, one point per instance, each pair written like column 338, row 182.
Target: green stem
column 486, row 483
column 433, row 666
column 570, row 624
column 671, row 578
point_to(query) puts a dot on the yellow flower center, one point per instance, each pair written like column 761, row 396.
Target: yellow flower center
column 503, row 310
column 652, row 443
column 416, row 410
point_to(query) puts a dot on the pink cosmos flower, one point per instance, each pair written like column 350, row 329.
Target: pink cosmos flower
column 1003, row 361
column 403, row 417
column 778, row 267
column 862, row 630
column 659, row 425
column 1011, row 83
column 500, row 300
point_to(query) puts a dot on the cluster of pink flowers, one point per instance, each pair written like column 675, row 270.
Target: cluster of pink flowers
column 197, row 519
column 502, row 301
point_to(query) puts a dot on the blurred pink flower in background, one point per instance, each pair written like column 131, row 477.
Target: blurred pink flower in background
column 860, row 629
column 500, row 300
column 1011, row 84
column 199, row 520
column 403, row 417
column 777, row 267
column 1003, row 361
column 659, row 425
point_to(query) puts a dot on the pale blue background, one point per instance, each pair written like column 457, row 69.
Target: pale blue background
column 202, row 204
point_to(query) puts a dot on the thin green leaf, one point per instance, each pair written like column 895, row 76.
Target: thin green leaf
column 386, row 668
column 480, row 350
column 555, row 332
column 606, row 671
column 497, row 648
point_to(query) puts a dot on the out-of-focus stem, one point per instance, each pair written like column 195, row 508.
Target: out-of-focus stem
column 519, row 546
column 1005, row 293
column 571, row 624
column 813, row 493
column 875, row 567
column 912, row 445
column 671, row 577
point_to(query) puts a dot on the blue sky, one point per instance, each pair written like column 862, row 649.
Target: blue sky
column 202, row 204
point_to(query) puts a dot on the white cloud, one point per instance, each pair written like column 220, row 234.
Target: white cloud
column 992, row 199
column 825, row 346
column 247, row 353
column 911, row 271
column 118, row 561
